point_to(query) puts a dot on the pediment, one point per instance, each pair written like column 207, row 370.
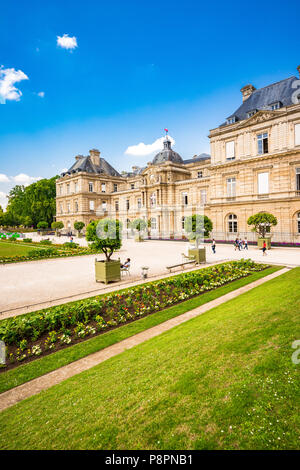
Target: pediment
column 260, row 116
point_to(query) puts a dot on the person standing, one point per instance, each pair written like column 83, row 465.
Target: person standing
column 264, row 248
column 246, row 243
column 213, row 246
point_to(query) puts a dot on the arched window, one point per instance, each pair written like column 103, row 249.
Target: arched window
column 153, row 223
column 232, row 223
column 298, row 222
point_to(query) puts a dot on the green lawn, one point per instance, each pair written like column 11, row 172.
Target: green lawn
column 14, row 249
column 26, row 372
column 224, row 380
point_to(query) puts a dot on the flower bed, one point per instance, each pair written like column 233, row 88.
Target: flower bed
column 47, row 330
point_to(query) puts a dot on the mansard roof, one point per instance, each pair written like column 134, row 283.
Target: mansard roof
column 199, row 158
column 85, row 164
column 263, row 98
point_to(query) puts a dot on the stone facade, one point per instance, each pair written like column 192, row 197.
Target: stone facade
column 254, row 167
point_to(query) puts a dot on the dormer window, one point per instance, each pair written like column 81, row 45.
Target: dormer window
column 276, row 105
column 231, row 120
column 251, row 113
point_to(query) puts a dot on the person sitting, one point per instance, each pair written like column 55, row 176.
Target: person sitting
column 126, row 265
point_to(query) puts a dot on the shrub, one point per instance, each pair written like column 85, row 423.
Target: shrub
column 71, row 245
column 105, row 236
column 27, row 240
column 45, row 242
column 38, row 253
column 42, row 225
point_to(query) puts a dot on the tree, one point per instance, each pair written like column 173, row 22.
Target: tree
column 36, row 201
column 105, row 236
column 79, row 226
column 139, row 225
column 57, row 226
column 197, row 227
column 27, row 222
column 262, row 223
column 42, row 225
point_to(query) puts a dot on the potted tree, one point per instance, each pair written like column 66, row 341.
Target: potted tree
column 139, row 225
column 57, row 226
column 79, row 226
column 105, row 237
column 42, row 226
column 197, row 227
column 261, row 224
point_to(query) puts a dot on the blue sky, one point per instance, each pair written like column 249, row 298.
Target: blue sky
column 138, row 67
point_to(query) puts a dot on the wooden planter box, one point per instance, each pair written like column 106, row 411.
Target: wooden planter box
column 138, row 238
column 107, row 271
column 199, row 254
column 260, row 242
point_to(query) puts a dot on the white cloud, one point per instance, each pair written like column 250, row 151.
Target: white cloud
column 4, row 178
column 3, row 200
column 8, row 77
column 41, row 94
column 142, row 149
column 22, row 178
column 67, row 42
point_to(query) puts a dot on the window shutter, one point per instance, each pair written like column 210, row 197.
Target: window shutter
column 230, row 149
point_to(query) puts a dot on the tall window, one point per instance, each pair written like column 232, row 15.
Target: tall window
column 68, row 188
column 230, row 150
column 132, row 186
column 262, row 143
column 104, row 206
column 68, row 207
column 153, row 223
column 60, row 189
column 153, row 200
column 75, row 187
column 232, row 223
column 231, row 187
column 117, row 206
column 182, row 222
column 115, row 187
column 203, row 196
column 263, row 183
column 128, row 223
column 76, row 206
column 297, row 179
column 139, row 203
column 91, row 188
column 92, row 205
column 103, row 187
column 61, row 208
column 127, row 204
column 184, row 199
column 298, row 222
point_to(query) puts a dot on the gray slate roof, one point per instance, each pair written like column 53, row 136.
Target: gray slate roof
column 86, row 164
column 167, row 154
column 199, row 158
column 262, row 98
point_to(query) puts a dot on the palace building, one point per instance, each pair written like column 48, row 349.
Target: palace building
column 254, row 166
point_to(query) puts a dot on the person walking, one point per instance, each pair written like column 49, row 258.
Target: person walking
column 246, row 243
column 213, row 246
column 264, row 249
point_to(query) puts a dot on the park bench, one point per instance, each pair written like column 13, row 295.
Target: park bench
column 191, row 260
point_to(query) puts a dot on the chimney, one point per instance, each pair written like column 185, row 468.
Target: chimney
column 298, row 68
column 247, row 91
column 78, row 157
column 95, row 157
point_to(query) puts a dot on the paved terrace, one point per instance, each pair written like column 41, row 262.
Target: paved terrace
column 32, row 285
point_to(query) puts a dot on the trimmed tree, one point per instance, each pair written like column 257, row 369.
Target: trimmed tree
column 57, row 226
column 42, row 225
column 139, row 225
column 105, row 236
column 197, row 227
column 79, row 226
column 262, row 223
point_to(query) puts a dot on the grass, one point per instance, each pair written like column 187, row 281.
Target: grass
column 14, row 249
column 41, row 366
column 224, row 380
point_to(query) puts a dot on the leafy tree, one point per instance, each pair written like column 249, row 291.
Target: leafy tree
column 105, row 236
column 42, row 225
column 79, row 226
column 139, row 225
column 197, row 227
column 262, row 223
column 27, row 222
column 36, row 201
column 58, row 225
